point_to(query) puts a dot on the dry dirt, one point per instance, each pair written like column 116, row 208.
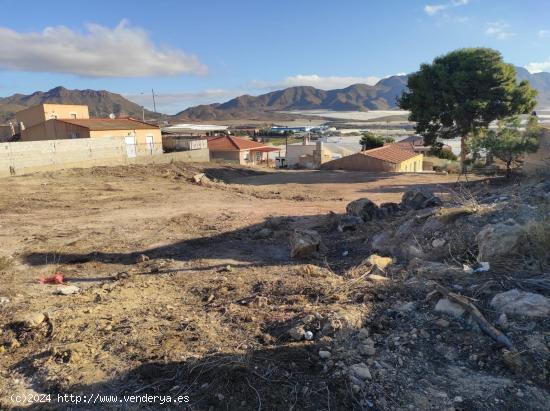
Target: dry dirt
column 159, row 311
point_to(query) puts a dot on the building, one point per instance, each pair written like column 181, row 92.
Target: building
column 240, row 150
column 416, row 144
column 388, row 158
column 196, row 129
column 539, row 162
column 64, row 121
column 312, row 154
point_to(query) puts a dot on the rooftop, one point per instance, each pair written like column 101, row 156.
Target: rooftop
column 230, row 143
column 391, row 153
column 98, row 124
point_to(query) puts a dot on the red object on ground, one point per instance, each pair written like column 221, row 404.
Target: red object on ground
column 58, row 278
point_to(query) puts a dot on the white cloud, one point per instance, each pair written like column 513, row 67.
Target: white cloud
column 499, row 30
column 544, row 34
column 314, row 80
column 433, row 9
column 99, row 51
column 538, row 67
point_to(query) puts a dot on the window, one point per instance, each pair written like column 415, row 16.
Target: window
column 74, row 134
column 73, row 116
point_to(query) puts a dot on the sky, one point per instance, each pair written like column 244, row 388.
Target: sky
column 200, row 52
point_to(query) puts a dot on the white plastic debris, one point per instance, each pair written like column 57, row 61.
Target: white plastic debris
column 308, row 335
column 467, row 269
column 345, row 253
column 483, row 266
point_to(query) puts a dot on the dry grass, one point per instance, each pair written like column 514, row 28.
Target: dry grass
column 5, row 263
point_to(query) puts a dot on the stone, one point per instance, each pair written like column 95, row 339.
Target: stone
column 308, row 335
column 349, row 223
column 30, row 320
column 367, row 349
column 521, row 303
column 444, row 305
column 432, row 270
column 324, row 355
column 4, row 300
column 498, row 240
column 438, row 242
column 388, row 209
column 200, row 178
column 361, row 371
column 67, row 290
column 418, row 199
column 363, row 208
column 263, row 233
column 378, row 261
column 304, row 243
column 297, row 333
column 382, row 242
column 442, row 322
column 405, row 307
column 260, row 302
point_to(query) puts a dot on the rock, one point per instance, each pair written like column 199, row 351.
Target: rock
column 67, row 290
column 363, row 208
column 4, row 301
column 375, row 260
column 388, row 209
column 200, row 178
column 361, row 371
column 297, row 333
column 446, row 306
column 418, row 199
column 432, row 270
column 349, row 223
column 438, row 242
column 382, row 243
column 405, row 307
column 324, row 355
column 521, row 303
column 263, row 233
column 260, row 302
column 308, row 335
column 142, row 258
column 498, row 240
column 30, row 320
column 308, row 319
column 442, row 322
column 367, row 349
column 304, row 243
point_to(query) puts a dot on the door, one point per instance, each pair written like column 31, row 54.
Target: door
column 149, row 144
column 130, row 146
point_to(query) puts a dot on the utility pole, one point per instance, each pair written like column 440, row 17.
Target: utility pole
column 154, row 103
column 143, row 114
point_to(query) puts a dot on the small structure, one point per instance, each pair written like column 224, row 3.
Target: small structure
column 195, row 129
column 416, row 144
column 174, row 142
column 241, row 150
column 388, row 158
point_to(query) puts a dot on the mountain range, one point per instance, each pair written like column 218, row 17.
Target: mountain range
column 101, row 103
column 358, row 97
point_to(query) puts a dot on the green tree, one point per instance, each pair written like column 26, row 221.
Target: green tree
column 509, row 142
column 371, row 140
column 463, row 91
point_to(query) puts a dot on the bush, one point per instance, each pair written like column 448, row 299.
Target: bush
column 438, row 151
column 370, row 140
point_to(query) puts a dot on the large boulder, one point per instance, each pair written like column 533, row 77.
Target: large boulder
column 498, row 240
column 363, row 208
column 304, row 243
column 418, row 199
column 522, row 303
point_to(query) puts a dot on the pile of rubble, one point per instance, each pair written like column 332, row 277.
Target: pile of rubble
column 463, row 320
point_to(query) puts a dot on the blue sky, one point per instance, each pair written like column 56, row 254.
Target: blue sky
column 195, row 52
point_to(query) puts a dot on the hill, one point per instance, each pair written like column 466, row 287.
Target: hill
column 357, row 97
column 100, row 102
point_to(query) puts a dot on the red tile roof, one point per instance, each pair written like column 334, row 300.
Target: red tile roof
column 230, row 143
column 392, row 153
column 97, row 124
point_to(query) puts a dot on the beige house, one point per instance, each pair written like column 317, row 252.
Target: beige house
column 240, row 150
column 63, row 121
column 389, row 158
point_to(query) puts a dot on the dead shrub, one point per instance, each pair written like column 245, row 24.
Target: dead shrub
column 5, row 263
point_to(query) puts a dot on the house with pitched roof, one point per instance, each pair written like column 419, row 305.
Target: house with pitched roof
column 240, row 150
column 388, row 158
column 67, row 121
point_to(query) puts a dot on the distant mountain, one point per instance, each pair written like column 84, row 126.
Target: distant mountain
column 358, row 97
column 100, row 102
column 540, row 82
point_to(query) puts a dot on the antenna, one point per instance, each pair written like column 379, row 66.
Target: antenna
column 112, row 116
column 154, row 104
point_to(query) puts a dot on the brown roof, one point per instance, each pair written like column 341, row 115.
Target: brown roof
column 391, row 153
column 230, row 143
column 97, row 124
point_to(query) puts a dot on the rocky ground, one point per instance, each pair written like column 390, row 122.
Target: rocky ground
column 247, row 290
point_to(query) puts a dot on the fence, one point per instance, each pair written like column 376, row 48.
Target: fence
column 31, row 156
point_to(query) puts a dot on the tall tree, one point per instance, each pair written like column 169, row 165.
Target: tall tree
column 370, row 140
column 463, row 91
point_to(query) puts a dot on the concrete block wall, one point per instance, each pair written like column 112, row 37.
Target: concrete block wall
column 31, row 156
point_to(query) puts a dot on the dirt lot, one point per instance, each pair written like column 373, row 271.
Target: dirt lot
column 180, row 293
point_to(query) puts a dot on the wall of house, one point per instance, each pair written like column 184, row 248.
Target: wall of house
column 539, row 162
column 38, row 114
column 295, row 151
column 28, row 157
column 412, row 165
column 140, row 135
column 235, row 156
column 52, row 130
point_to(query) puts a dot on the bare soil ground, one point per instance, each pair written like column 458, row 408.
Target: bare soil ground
column 160, row 312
